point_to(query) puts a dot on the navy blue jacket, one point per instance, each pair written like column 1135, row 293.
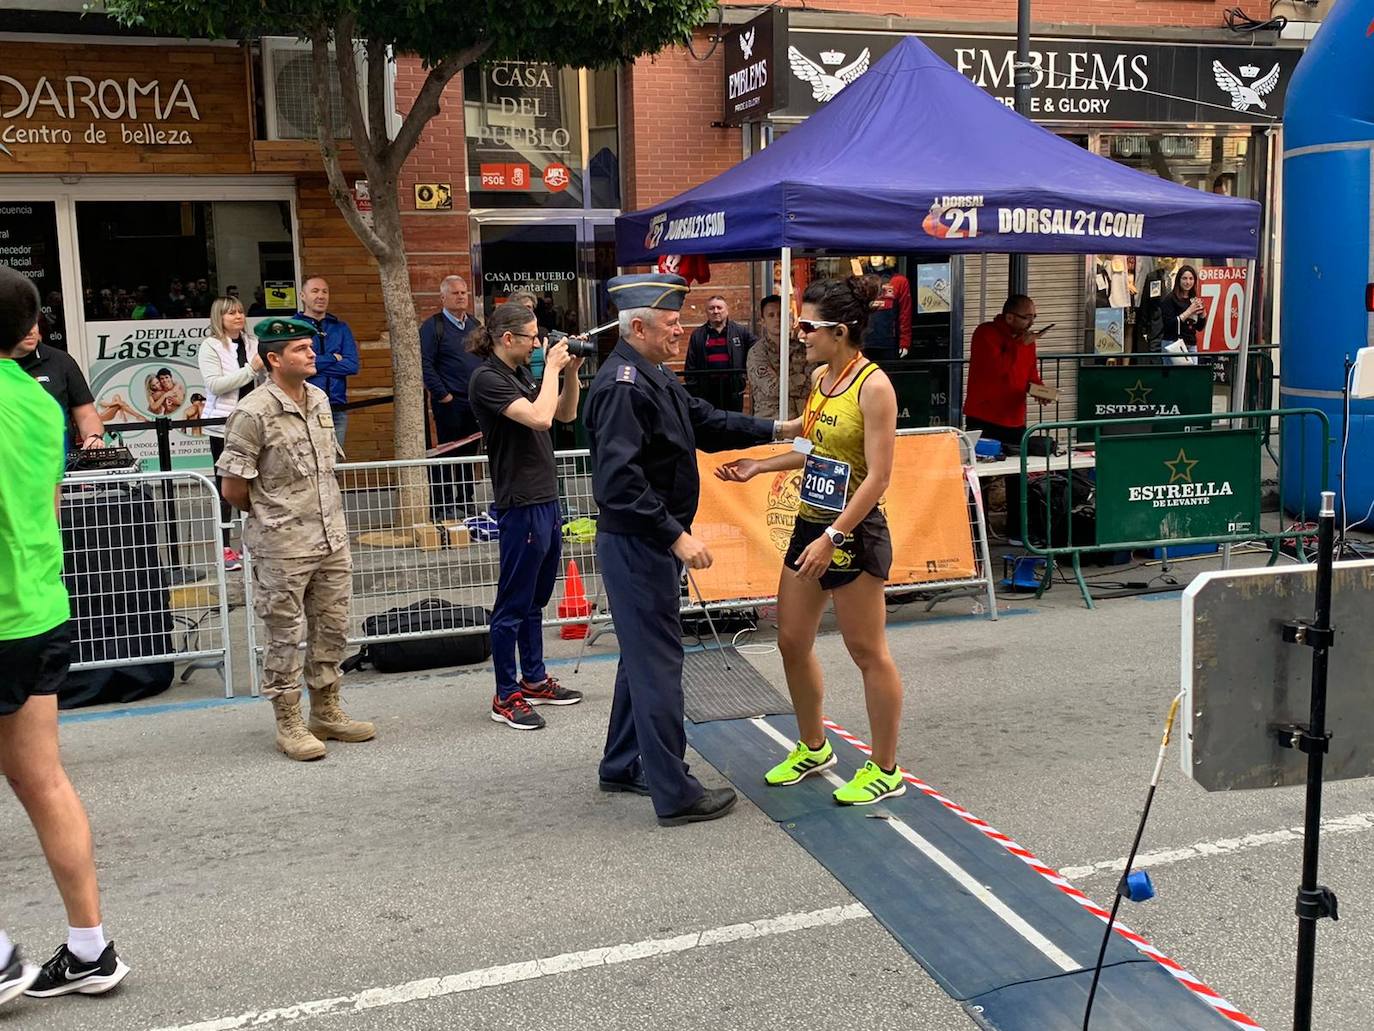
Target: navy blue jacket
column 444, row 357
column 331, row 374
column 645, row 430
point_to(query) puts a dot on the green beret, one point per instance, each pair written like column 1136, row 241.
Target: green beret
column 272, row 330
column 652, row 290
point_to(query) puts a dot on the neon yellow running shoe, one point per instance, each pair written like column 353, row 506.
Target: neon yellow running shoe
column 800, row 763
column 871, row 785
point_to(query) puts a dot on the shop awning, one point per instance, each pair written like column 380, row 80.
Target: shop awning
column 911, row 156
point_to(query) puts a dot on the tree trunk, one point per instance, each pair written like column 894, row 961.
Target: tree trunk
column 408, row 409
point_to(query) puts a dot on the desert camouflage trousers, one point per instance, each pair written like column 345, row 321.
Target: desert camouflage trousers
column 303, row 599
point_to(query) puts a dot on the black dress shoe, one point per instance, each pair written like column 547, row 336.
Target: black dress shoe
column 636, row 786
column 714, row 804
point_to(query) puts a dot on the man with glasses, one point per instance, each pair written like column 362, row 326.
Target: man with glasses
column 1001, row 368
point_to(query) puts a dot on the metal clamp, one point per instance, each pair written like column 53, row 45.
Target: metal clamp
column 1300, row 737
column 1318, row 903
column 1302, row 631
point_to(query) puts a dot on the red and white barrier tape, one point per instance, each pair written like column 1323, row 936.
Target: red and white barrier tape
column 1192, row 983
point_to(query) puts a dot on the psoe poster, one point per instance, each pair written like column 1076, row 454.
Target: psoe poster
column 145, row 370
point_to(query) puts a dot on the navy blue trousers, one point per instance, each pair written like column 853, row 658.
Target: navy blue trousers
column 646, row 732
column 531, row 546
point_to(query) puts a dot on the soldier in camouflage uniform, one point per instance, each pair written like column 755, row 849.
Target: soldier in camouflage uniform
column 278, row 466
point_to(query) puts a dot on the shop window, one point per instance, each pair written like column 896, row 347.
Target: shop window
column 171, row 259
column 28, row 244
column 1128, row 290
column 534, row 141
column 150, row 271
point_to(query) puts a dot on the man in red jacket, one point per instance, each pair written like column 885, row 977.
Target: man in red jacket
column 1001, row 368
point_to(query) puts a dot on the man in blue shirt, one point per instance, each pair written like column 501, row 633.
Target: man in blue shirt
column 447, row 365
column 336, row 352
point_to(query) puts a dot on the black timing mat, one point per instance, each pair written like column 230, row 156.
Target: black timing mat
column 713, row 692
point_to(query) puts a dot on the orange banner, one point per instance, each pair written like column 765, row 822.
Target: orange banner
column 747, row 525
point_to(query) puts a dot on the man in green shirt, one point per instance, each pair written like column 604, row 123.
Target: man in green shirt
column 35, row 651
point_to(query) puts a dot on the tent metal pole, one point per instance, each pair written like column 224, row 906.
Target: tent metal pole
column 785, row 336
column 1243, row 355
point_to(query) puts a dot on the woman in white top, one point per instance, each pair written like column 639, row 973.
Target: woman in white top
column 230, row 367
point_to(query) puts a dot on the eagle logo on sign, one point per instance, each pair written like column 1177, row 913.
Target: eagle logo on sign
column 746, row 44
column 1244, row 97
column 824, row 84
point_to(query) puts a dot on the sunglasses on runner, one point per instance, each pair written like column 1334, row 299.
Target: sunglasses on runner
column 808, row 326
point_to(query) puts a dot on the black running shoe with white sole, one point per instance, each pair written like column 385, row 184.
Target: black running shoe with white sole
column 16, row 976
column 65, row 974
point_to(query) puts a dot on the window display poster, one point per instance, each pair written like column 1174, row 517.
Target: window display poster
column 1110, row 335
column 28, row 244
column 145, row 370
column 932, row 289
column 1222, row 290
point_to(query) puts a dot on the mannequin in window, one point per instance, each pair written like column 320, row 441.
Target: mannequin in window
column 889, row 319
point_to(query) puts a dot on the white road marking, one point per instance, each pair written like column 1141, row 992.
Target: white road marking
column 981, row 892
column 1331, row 827
column 530, row 970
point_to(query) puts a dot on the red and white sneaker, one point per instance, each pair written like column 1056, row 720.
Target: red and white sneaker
column 515, row 713
column 550, row 692
column 232, row 560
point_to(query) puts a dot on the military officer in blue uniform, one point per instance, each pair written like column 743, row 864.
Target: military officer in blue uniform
column 644, row 430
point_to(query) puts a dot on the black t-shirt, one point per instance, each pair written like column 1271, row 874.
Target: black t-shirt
column 522, row 464
column 59, row 375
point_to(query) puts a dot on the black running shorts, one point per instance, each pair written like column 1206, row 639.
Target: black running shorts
column 32, row 666
column 867, row 549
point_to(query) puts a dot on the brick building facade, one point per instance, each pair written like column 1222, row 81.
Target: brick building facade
column 195, row 173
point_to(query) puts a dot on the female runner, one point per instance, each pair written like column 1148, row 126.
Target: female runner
column 840, row 543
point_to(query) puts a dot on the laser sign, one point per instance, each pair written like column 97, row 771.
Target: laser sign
column 1222, row 291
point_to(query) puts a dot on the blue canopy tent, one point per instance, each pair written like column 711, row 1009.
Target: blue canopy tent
column 912, row 157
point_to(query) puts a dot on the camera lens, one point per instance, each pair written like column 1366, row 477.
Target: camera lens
column 581, row 348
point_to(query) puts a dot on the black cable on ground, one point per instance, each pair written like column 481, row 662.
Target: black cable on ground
column 1130, row 859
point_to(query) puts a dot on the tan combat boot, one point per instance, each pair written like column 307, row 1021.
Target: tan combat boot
column 328, row 721
column 293, row 737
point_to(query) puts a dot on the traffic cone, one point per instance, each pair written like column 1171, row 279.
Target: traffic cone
column 573, row 605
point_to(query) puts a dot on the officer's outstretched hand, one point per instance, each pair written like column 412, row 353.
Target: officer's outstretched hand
column 741, row 470
column 691, row 552
column 556, row 359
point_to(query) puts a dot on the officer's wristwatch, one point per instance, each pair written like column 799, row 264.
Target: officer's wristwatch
column 836, row 536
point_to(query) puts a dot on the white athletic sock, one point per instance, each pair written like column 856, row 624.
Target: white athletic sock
column 6, row 949
column 86, row 943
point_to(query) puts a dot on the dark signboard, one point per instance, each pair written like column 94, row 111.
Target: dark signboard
column 1073, row 80
column 1132, row 391
column 756, row 68
column 1175, row 486
column 28, row 244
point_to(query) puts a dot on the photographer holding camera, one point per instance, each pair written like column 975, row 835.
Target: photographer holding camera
column 516, row 415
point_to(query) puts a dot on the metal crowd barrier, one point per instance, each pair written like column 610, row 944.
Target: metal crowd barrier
column 405, row 551
column 145, row 571
column 1157, row 469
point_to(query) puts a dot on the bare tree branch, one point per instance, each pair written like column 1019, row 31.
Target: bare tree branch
column 426, row 104
column 377, row 56
column 329, row 148
column 345, row 64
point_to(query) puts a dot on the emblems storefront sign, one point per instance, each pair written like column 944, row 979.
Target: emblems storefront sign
column 1072, row 80
column 96, row 108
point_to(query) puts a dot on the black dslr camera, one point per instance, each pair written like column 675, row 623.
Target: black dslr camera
column 577, row 347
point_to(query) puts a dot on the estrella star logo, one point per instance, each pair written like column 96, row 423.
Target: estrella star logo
column 1181, row 468
column 1139, row 392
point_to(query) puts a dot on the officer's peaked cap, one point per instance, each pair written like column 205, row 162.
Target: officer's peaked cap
column 651, row 290
column 270, row 331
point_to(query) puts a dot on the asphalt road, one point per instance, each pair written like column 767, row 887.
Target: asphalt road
column 418, row 880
